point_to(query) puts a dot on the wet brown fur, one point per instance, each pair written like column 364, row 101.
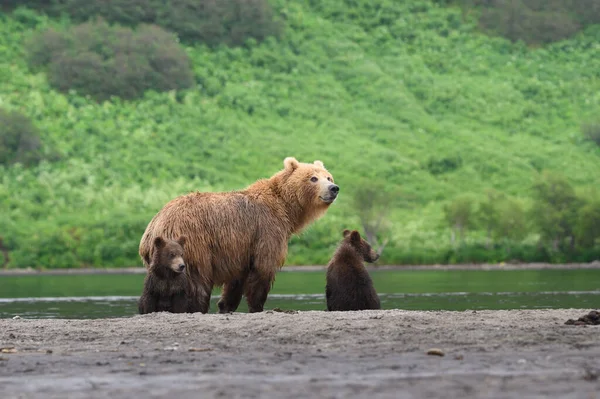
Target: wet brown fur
column 166, row 286
column 349, row 286
column 239, row 239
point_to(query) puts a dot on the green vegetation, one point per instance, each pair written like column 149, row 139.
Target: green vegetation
column 408, row 95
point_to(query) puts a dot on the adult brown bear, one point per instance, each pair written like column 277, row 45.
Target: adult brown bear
column 239, row 239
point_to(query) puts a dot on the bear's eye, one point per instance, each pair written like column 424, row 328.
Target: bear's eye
column 330, row 179
column 314, row 179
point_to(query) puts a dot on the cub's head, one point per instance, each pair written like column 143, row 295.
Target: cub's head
column 360, row 245
column 168, row 254
column 310, row 183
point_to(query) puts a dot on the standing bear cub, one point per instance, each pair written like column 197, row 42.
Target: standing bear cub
column 349, row 286
column 166, row 284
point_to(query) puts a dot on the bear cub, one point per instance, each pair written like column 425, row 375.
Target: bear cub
column 166, row 284
column 349, row 286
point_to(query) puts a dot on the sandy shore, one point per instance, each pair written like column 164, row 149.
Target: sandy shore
column 373, row 354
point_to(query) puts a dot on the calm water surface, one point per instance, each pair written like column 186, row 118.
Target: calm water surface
column 100, row 296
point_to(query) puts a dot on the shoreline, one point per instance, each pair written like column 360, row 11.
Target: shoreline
column 315, row 268
column 304, row 354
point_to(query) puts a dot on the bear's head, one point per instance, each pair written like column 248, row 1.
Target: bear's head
column 168, row 256
column 304, row 190
column 360, row 245
column 310, row 183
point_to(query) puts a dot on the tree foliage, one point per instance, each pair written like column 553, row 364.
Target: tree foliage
column 101, row 60
column 212, row 22
column 373, row 204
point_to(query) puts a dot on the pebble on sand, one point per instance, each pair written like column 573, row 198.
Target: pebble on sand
column 435, row 352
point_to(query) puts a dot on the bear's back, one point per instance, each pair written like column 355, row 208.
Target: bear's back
column 349, row 286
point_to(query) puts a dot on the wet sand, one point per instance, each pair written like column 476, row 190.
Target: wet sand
column 373, row 354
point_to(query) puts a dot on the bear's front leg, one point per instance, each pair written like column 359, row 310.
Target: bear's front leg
column 148, row 303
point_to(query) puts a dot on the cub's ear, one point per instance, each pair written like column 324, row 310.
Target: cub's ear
column 159, row 242
column 182, row 240
column 290, row 163
column 319, row 164
column 346, row 233
column 355, row 237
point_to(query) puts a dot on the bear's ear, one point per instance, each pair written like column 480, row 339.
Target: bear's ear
column 346, row 233
column 181, row 240
column 319, row 164
column 355, row 237
column 290, row 163
column 159, row 242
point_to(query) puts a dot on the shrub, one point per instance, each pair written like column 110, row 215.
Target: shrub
column 440, row 166
column 124, row 12
column 555, row 209
column 459, row 214
column 588, row 224
column 103, row 61
column 213, row 22
column 591, row 131
column 528, row 21
column 19, row 139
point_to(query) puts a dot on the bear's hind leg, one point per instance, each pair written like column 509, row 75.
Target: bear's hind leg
column 231, row 296
column 199, row 298
column 257, row 289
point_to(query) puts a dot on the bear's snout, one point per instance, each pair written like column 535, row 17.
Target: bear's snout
column 181, row 267
column 334, row 190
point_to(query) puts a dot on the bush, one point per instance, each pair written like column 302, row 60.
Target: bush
column 213, row 22
column 522, row 20
column 555, row 210
column 459, row 214
column 103, row 61
column 591, row 131
column 588, row 224
column 19, row 139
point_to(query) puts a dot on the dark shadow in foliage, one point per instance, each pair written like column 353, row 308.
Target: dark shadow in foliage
column 103, row 61
column 19, row 139
column 438, row 166
column 534, row 21
column 591, row 131
column 212, row 22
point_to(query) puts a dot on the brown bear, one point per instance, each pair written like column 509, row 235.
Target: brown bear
column 349, row 286
column 239, row 239
column 166, row 284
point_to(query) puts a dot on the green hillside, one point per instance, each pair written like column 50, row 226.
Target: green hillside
column 406, row 95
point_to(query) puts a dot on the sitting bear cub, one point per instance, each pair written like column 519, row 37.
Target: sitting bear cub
column 166, row 284
column 349, row 286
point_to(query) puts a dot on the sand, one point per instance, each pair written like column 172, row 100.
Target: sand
column 372, row 354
